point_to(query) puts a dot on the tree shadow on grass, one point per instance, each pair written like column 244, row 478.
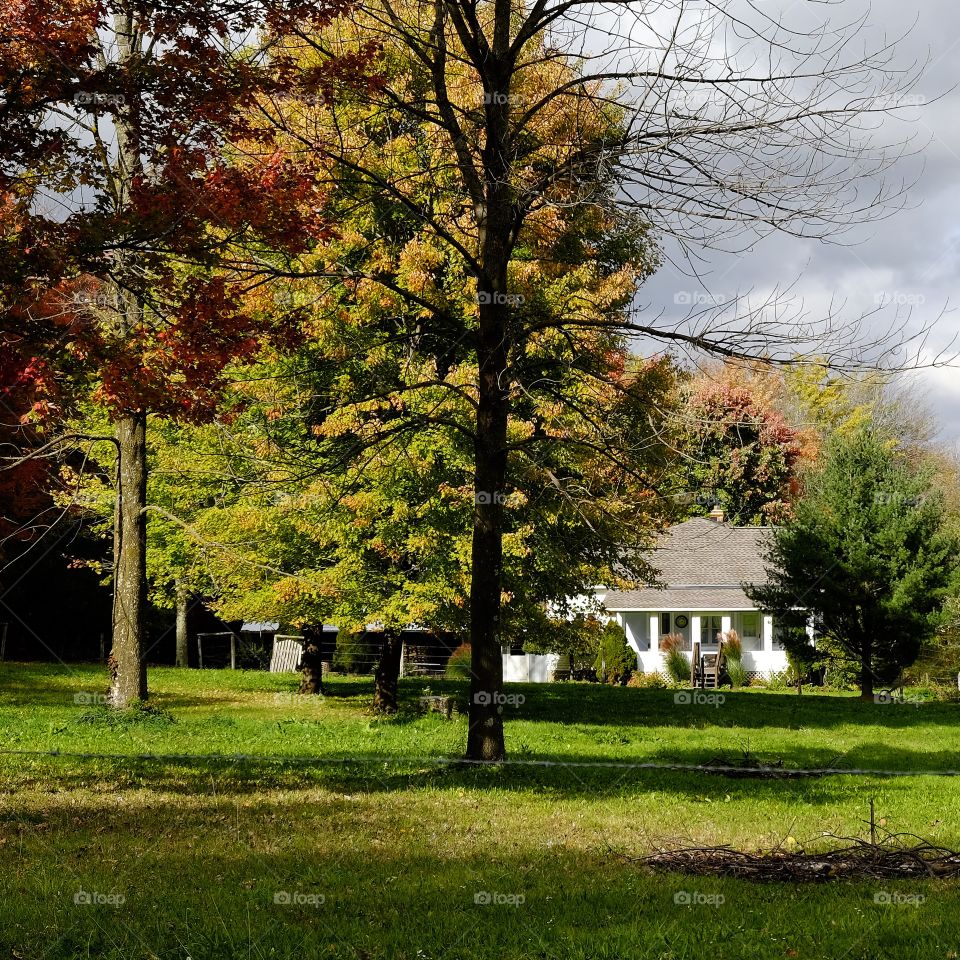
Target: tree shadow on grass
column 300, row 883
column 624, row 706
column 569, row 777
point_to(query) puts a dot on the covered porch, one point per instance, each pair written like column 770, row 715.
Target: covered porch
column 762, row 653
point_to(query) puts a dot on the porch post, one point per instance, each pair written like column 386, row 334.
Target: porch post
column 694, row 629
column 725, row 624
column 767, row 633
column 654, row 632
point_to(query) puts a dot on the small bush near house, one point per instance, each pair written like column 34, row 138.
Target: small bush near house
column 648, row 681
column 458, row 666
column 737, row 673
column 615, row 658
column 779, row 680
column 675, row 660
column 732, row 645
column 733, row 649
column 842, row 673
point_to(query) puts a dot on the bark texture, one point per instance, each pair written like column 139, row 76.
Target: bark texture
column 129, row 671
column 387, row 677
column 183, row 633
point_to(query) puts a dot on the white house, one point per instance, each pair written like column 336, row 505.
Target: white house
column 703, row 565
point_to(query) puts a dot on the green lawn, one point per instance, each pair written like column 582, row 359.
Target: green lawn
column 384, row 851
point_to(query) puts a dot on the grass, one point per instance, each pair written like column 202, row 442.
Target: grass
column 354, row 811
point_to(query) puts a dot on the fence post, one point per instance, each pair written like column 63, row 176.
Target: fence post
column 3, row 643
column 233, row 651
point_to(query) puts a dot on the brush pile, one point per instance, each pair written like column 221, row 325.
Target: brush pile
column 881, row 856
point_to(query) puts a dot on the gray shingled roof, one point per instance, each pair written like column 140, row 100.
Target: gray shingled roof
column 702, row 565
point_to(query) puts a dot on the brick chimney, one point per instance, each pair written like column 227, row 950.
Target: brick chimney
column 717, row 513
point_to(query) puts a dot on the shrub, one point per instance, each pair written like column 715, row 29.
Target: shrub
column 675, row 660
column 779, row 680
column 737, row 672
column 458, row 666
column 732, row 645
column 615, row 658
column 648, row 681
column 354, row 653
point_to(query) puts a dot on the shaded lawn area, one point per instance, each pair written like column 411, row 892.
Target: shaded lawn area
column 399, row 849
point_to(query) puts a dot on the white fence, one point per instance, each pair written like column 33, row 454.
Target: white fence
column 286, row 654
column 529, row 667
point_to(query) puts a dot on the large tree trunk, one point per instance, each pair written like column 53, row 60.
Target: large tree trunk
column 128, row 667
column 387, row 677
column 183, row 633
column 311, row 663
column 485, row 735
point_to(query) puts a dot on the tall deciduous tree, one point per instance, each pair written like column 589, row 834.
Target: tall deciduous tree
column 129, row 174
column 867, row 553
column 529, row 114
column 386, row 539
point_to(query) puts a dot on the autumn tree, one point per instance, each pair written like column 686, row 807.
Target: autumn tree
column 533, row 114
column 315, row 534
column 738, row 453
column 129, row 175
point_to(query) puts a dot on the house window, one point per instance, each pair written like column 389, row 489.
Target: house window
column 664, row 624
column 710, row 625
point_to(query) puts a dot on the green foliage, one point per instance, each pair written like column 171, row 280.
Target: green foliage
column 841, row 671
column 648, row 681
column 615, row 660
column 737, row 672
column 137, row 716
column 458, row 666
column 868, row 553
column 353, row 653
column 675, row 661
column 776, row 681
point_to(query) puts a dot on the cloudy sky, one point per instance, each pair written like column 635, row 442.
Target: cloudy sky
column 908, row 262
